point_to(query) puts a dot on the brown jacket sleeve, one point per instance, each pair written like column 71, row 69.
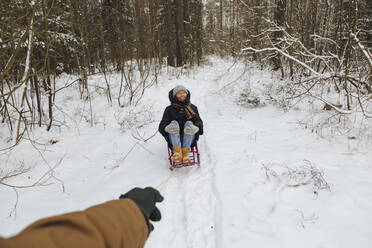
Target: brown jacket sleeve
column 114, row 224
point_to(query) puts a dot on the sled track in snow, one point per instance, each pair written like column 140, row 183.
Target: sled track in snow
column 192, row 210
column 200, row 211
column 201, row 196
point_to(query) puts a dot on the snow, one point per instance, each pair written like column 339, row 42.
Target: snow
column 241, row 196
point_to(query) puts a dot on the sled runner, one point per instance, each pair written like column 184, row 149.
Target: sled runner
column 193, row 155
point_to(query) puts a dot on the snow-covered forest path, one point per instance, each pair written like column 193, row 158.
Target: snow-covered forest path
column 230, row 201
column 258, row 184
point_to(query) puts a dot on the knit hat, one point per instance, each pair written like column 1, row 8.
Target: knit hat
column 179, row 88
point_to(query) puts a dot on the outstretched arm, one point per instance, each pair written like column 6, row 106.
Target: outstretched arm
column 116, row 224
column 123, row 223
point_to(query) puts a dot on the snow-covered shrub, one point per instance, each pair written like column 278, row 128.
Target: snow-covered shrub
column 134, row 117
column 325, row 109
column 331, row 125
column 257, row 87
column 278, row 95
column 99, row 90
column 249, row 99
column 305, row 174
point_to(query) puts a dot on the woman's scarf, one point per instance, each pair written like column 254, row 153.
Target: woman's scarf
column 185, row 109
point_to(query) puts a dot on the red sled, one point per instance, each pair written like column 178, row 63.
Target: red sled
column 193, row 155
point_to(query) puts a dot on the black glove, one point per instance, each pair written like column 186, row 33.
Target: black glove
column 146, row 200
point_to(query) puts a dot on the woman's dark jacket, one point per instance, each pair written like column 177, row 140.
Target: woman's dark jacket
column 171, row 113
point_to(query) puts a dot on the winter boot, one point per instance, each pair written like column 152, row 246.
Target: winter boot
column 177, row 155
column 185, row 155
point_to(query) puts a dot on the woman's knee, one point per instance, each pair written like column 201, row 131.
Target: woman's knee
column 174, row 122
column 188, row 123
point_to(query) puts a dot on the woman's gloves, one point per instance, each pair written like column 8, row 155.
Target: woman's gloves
column 146, row 200
column 172, row 128
column 191, row 130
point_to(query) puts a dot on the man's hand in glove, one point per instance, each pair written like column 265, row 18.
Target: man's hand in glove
column 146, row 199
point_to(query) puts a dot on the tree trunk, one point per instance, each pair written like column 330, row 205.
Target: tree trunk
column 180, row 41
column 280, row 19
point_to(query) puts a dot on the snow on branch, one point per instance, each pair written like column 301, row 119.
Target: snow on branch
column 29, row 48
column 270, row 49
column 27, row 61
column 365, row 52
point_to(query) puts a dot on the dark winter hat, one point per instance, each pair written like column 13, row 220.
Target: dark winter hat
column 179, row 88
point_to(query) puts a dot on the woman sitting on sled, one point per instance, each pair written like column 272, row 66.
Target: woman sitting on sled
column 181, row 124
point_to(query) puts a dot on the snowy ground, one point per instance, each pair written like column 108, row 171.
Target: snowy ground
column 253, row 189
